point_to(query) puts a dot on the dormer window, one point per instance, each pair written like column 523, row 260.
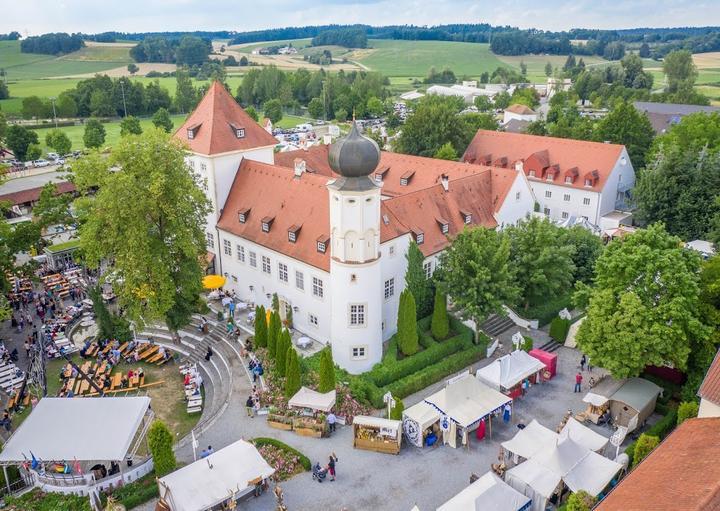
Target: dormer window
column 267, row 223
column 419, row 236
column 191, row 134
column 467, row 216
column 240, row 132
column 444, row 225
column 550, row 176
column 531, row 173
column 322, row 242
column 192, row 131
column 405, row 178
column 568, row 180
column 243, row 215
column 293, row 232
column 588, row 182
column 380, row 174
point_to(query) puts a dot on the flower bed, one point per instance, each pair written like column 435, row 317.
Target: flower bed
column 286, row 461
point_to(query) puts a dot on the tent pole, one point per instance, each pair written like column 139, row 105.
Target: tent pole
column 490, row 424
column 7, row 481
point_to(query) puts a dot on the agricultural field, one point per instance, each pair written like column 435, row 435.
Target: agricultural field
column 536, row 63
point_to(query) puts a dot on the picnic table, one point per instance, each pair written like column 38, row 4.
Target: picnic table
column 116, row 380
column 68, row 371
column 149, row 352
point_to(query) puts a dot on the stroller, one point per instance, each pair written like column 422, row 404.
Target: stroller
column 319, row 473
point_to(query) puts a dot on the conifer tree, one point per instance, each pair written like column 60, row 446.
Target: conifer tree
column 273, row 334
column 440, row 325
column 283, row 344
column 417, row 282
column 160, row 441
column 327, row 371
column 292, row 379
column 276, row 303
column 407, row 324
column 261, row 327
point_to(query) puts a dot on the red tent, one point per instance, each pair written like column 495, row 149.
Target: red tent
column 547, row 358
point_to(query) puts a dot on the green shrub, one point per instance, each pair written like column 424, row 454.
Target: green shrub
column 260, row 327
column 304, row 460
column 407, row 324
column 327, row 371
column 440, row 325
column 292, row 373
column 527, row 344
column 426, row 339
column 686, row 411
column 546, row 311
column 559, row 328
column 160, row 441
column 661, row 408
column 37, row 500
column 397, row 410
column 273, row 334
column 138, row 492
column 283, row 343
column 645, row 444
column 665, row 425
column 392, row 349
column 580, row 501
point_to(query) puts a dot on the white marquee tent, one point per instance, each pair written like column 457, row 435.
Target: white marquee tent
column 230, row 472
column 308, row 398
column 509, row 370
column 583, row 435
column 487, row 493
column 567, row 461
column 417, row 419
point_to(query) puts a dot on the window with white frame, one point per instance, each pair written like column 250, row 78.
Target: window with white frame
column 266, row 265
column 299, row 280
column 253, row 259
column 568, row 180
column 586, row 201
column 546, row 211
column 392, row 250
column 427, row 266
column 321, row 247
column 564, row 215
column 227, row 248
column 357, row 314
column 283, row 272
column 317, row 287
column 240, row 253
column 203, row 168
column 358, row 352
column 191, row 163
column 548, row 194
column 389, row 288
column 566, row 197
column 210, row 239
column 312, row 318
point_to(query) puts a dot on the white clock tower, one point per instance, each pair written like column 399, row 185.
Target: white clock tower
column 355, row 276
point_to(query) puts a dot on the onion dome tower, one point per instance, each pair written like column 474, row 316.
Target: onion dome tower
column 356, row 279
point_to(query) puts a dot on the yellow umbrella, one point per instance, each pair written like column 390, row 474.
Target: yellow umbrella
column 213, row 281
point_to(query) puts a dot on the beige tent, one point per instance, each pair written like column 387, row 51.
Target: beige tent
column 308, row 398
column 417, row 419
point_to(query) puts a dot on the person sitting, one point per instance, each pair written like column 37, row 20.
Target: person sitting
column 140, row 372
column 604, row 418
column 186, row 380
column 124, row 382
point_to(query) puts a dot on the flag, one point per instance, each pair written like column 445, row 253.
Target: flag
column 77, row 468
column 35, row 463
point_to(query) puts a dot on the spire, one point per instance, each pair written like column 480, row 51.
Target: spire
column 354, row 155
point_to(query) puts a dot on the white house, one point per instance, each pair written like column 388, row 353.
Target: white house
column 570, row 178
column 519, row 113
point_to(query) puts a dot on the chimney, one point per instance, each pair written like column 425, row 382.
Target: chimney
column 519, row 166
column 327, row 139
column 299, row 167
column 445, row 182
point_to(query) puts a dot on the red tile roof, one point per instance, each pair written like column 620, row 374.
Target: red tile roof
column 215, row 121
column 593, row 160
column 520, row 109
column 681, row 474
column 33, row 194
column 710, row 388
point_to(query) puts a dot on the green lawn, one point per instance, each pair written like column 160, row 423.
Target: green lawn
column 415, row 58
column 290, row 121
column 536, row 63
column 112, row 132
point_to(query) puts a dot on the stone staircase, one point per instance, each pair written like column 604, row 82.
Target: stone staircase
column 495, row 324
column 551, row 346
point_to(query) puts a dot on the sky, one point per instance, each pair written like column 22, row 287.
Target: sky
column 32, row 17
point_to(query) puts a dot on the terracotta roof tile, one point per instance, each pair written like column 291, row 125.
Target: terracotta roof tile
column 538, row 153
column 710, row 388
column 681, row 474
column 520, row 109
column 33, row 194
column 215, row 121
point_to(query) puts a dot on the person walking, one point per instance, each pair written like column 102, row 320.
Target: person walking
column 208, row 354
column 578, row 381
column 332, row 459
column 331, row 420
column 583, row 361
column 250, row 406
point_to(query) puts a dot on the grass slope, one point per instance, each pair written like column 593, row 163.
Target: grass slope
column 536, row 63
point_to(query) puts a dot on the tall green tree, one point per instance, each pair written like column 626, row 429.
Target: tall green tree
column 160, row 441
column 548, row 69
column 680, row 70
column 680, row 188
column 396, row 413
column 327, row 371
column 52, row 207
column 272, row 109
column 693, row 132
column 273, row 334
column 261, row 327
column 626, row 125
column 587, row 248
column 18, row 139
column 252, row 113
column 284, row 342
column 34, row 152
column 417, row 281
column 186, row 96
column 292, row 375
column 130, row 126
column 446, row 152
column 543, row 262
column 440, row 323
column 58, row 141
column 407, row 324
column 643, row 307
column 434, row 123
column 476, row 272
column 94, row 135
column 157, row 244
column 161, row 119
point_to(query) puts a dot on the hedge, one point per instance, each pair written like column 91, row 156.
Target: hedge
column 392, row 349
column 304, row 460
column 546, row 311
column 138, row 492
column 559, row 328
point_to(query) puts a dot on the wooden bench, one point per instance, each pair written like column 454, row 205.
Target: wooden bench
column 149, row 352
column 156, row 357
column 121, row 349
column 92, row 350
column 107, row 348
column 115, row 381
column 163, row 360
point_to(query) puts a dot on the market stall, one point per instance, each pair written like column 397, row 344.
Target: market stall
column 629, row 401
column 583, row 435
column 488, row 492
column 547, row 358
column 312, row 400
column 218, row 479
column 465, row 405
column 421, row 424
column 507, row 373
column 377, row 434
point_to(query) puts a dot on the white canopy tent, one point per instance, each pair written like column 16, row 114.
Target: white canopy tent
column 487, row 493
column 529, row 441
column 308, row 398
column 228, row 473
column 467, row 401
column 87, row 429
column 509, row 370
column 578, row 467
column 417, row 419
column 583, row 435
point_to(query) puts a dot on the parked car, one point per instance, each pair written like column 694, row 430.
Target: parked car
column 53, row 156
column 60, row 161
column 41, row 163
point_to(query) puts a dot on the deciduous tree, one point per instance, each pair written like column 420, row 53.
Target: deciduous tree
column 626, row 125
column 160, row 441
column 643, row 307
column 148, row 217
column 57, row 140
column 94, row 135
column 680, row 70
column 161, row 119
column 18, row 139
column 130, row 126
column 434, row 123
column 272, row 109
column 587, row 248
column 446, row 152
